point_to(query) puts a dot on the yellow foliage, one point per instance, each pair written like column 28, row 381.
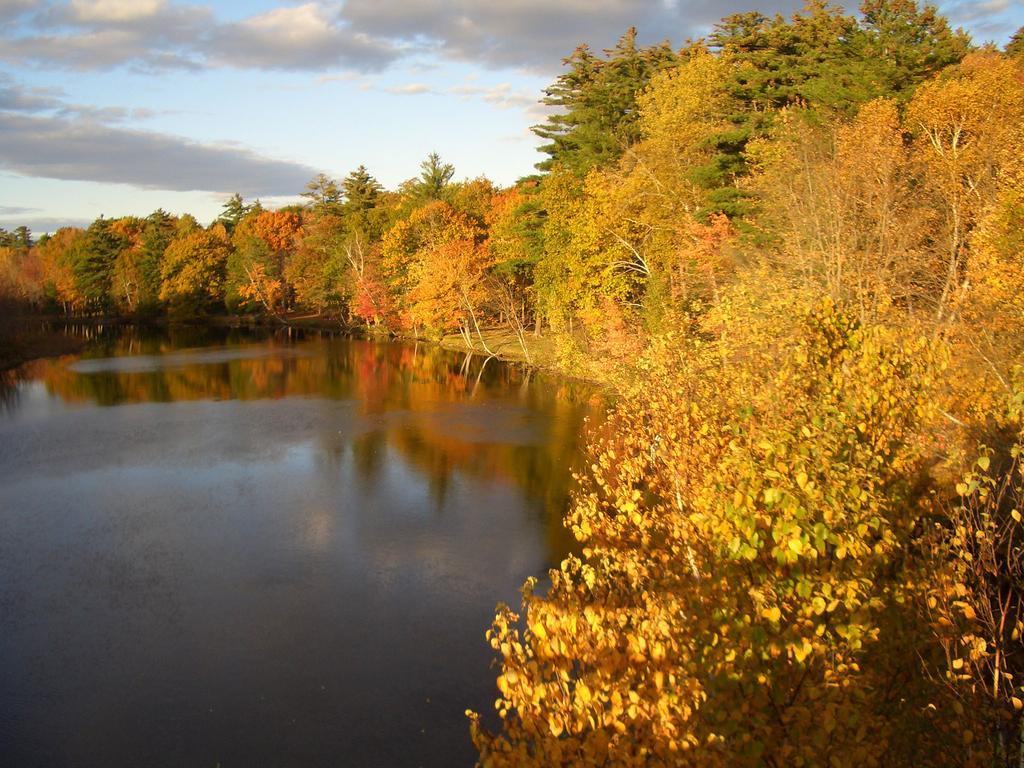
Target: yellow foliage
column 738, row 601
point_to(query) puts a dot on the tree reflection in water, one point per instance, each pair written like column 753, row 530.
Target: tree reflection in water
column 439, row 409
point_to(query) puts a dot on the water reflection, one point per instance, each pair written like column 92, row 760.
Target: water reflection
column 437, row 408
column 266, row 550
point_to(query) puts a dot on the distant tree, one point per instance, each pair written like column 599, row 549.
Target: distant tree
column 316, row 268
column 92, row 261
column 1015, row 46
column 360, row 190
column 19, row 238
column 193, row 266
column 434, row 177
column 262, row 242
column 127, row 277
column 234, row 210
column 157, row 233
column 323, row 194
column 56, row 275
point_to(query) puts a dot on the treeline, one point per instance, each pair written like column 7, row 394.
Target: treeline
column 420, row 261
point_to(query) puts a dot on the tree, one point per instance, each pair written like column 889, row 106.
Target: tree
column 434, row 234
column 235, row 209
column 361, row 191
column 434, row 177
column 906, row 44
column 56, row 275
column 967, row 126
column 255, row 271
column 1015, row 45
column 861, row 230
column 20, row 238
column 744, row 523
column 323, row 194
column 316, row 268
column 991, row 334
column 514, row 247
column 597, row 97
column 92, row 259
column 157, row 233
column 194, row 265
column 126, row 283
column 448, row 288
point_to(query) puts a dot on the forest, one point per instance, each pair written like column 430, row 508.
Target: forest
column 794, row 251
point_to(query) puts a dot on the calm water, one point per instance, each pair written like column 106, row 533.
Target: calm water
column 240, row 551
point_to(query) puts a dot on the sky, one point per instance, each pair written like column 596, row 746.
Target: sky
column 119, row 107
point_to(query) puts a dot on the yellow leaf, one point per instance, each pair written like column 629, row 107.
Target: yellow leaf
column 555, row 725
column 583, row 692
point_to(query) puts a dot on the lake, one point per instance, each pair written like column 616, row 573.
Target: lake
column 221, row 548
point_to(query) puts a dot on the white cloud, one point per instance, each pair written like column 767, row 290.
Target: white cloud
column 298, row 37
column 115, row 10
column 411, row 89
column 501, row 95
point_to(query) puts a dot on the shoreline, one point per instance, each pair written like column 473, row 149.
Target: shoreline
column 34, row 337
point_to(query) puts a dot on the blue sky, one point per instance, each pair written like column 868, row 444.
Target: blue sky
column 119, row 107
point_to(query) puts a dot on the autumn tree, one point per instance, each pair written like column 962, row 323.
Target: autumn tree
column 262, row 241
column 193, row 268
column 968, row 125
column 56, row 275
column 976, row 598
column 512, row 243
column 316, row 269
column 127, row 277
column 418, row 262
column 738, row 602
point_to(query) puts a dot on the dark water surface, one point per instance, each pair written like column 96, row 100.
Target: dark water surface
column 240, row 551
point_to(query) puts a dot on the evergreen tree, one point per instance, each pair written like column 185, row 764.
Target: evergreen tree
column 434, row 177
column 360, row 190
column 19, row 239
column 598, row 99
column 234, row 210
column 92, row 261
column 823, row 62
column 1015, row 46
column 323, row 194
column 906, row 44
column 157, row 233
